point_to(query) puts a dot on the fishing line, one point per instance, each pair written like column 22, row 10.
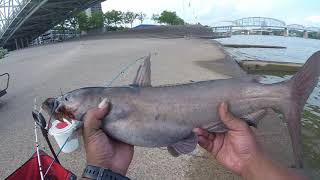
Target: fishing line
column 126, row 68
column 57, row 156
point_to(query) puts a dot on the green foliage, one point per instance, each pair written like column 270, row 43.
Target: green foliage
column 96, row 20
column 168, row 17
column 83, row 21
column 129, row 17
column 141, row 17
column 311, row 134
column 155, row 17
column 107, row 19
column 3, row 52
column 114, row 17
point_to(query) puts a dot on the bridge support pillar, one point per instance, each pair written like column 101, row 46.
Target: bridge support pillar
column 230, row 31
column 16, row 42
column 22, row 44
column 27, row 40
column 305, row 34
column 286, row 32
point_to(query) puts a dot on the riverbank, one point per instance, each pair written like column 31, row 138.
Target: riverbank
column 158, row 31
column 92, row 62
column 260, row 66
column 253, row 46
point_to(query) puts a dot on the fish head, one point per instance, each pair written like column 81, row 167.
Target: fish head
column 72, row 105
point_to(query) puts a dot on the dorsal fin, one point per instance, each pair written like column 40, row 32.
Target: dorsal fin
column 143, row 76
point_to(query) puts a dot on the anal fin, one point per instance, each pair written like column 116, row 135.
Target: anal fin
column 215, row 127
column 252, row 119
column 185, row 146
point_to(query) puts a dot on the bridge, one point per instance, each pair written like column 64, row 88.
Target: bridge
column 261, row 24
column 21, row 21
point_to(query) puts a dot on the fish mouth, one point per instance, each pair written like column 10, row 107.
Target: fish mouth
column 65, row 113
column 57, row 110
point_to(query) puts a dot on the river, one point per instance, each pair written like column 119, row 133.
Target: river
column 298, row 50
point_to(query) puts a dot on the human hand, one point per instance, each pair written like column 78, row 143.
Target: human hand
column 101, row 150
column 234, row 149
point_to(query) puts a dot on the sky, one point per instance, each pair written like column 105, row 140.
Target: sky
column 213, row 12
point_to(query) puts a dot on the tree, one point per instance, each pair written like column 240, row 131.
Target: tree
column 141, row 17
column 83, row 21
column 107, row 18
column 114, row 17
column 168, row 17
column 129, row 17
column 155, row 17
column 96, row 20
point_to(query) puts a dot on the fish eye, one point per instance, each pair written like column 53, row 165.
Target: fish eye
column 66, row 99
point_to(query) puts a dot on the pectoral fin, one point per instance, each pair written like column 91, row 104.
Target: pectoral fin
column 215, row 127
column 253, row 118
column 185, row 146
column 143, row 76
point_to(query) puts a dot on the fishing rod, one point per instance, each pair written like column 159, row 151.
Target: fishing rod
column 38, row 153
column 41, row 122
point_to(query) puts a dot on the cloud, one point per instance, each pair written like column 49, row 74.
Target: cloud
column 313, row 19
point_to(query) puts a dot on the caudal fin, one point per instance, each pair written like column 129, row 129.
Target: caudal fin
column 301, row 86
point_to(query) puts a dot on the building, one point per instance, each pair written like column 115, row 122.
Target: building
column 95, row 8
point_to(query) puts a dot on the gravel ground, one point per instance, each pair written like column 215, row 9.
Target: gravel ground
column 45, row 70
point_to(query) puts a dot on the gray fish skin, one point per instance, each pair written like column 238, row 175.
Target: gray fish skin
column 165, row 115
column 161, row 116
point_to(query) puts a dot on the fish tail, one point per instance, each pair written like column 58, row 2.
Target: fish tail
column 301, row 86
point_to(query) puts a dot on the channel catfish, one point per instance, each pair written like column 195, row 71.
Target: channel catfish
column 164, row 116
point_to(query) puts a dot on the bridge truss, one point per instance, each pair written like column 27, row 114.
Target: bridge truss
column 23, row 20
column 8, row 9
column 264, row 23
column 259, row 22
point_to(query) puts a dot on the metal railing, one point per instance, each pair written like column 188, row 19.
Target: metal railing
column 8, row 79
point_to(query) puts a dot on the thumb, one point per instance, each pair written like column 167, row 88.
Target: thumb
column 228, row 119
column 92, row 119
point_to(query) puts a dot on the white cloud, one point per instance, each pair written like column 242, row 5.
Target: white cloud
column 307, row 21
column 313, row 19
